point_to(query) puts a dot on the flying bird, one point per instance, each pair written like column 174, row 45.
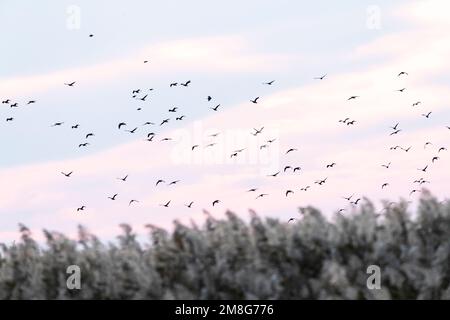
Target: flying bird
column 288, row 192
column 67, row 174
column 424, row 169
column 216, row 107
column 190, row 204
column 81, row 208
column 320, row 78
column 113, row 197
column 166, row 205
column 124, row 178
column 121, row 125
column 427, row 115
column 70, row 84
column 290, row 150
column 384, row 185
column 186, row 83
column 255, row 100
column 132, row 201
column 402, row 73
column 215, row 202
column 352, row 98
column 269, row 83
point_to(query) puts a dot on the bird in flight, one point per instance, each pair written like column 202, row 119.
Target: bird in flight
column 180, row 118
column 9, row 119
column 215, row 108
column 215, row 202
column 166, row 205
column 427, row 115
column 434, row 159
column 269, row 83
column 296, row 169
column 424, row 169
column 89, row 135
column 261, row 195
column 442, row 149
column 132, row 201
column 395, row 132
column 209, row 98
column 174, row 182
column 320, row 78
column 132, row 131
column 384, row 185
column 274, row 175
column 321, row 182
column 255, row 100
column 113, row 197
column 331, row 165
column 159, row 181
column 57, row 124
column 345, row 120
column 416, row 103
column 356, row 201
column 83, row 144
column 386, row 165
column 287, row 167
column 257, row 131
column 121, row 125
column 70, row 84
column 186, row 83
column 190, row 204
column 348, row 198
column 291, row 150
column 81, row 208
column 164, row 121
column 288, row 192
column 75, row 126
column 174, row 109
column 305, row 188
column 252, row 190
column 402, row 73
column 124, row 178
column 174, row 84
column 67, row 174
column 401, row 90
column 414, row 191
column 353, row 97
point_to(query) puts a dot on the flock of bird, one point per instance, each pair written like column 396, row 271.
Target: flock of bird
column 142, row 94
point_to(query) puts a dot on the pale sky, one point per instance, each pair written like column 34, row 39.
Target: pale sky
column 227, row 49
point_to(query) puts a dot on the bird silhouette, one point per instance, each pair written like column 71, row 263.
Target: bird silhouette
column 331, row 165
column 186, row 83
column 291, row 150
column 81, row 208
column 67, row 174
column 261, row 195
column 401, row 90
column 386, row 165
column 174, row 109
column 269, row 83
column 89, row 135
column 384, row 185
column 255, row 100
column 424, row 169
column 159, row 181
column 83, row 144
column 124, row 178
column 113, row 197
column 216, row 107
column 70, row 84
column 190, row 204
column 215, row 202
column 121, row 125
column 395, row 127
column 402, row 73
column 288, row 192
column 132, row 201
column 132, row 131
column 274, row 175
column 320, row 78
column 164, row 121
column 427, row 115
column 166, row 204
column 353, row 97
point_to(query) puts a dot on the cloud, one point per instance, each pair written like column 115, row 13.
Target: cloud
column 221, row 54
